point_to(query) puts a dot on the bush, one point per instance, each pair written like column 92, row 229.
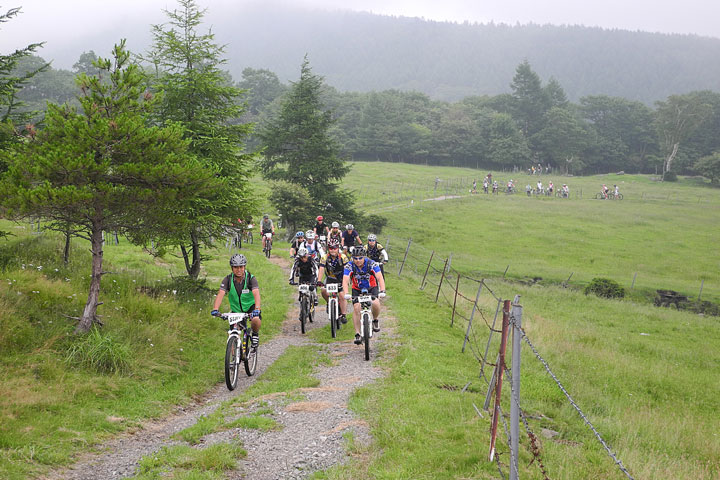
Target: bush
column 99, row 352
column 604, row 287
column 670, row 177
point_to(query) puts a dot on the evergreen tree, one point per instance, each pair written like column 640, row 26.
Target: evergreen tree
column 103, row 169
column 198, row 95
column 530, row 100
column 12, row 120
column 300, row 150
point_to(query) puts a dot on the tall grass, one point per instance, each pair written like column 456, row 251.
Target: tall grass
column 101, row 353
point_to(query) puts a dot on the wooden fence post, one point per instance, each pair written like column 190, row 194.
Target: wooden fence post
column 405, row 257
column 457, row 287
column 442, row 277
column 422, row 284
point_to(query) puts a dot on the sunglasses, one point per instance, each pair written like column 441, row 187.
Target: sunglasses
column 358, row 258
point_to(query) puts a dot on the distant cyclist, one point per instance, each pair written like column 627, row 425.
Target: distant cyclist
column 376, row 252
column 315, row 250
column 335, row 233
column 305, row 269
column 350, row 238
column 320, row 228
column 266, row 226
column 298, row 241
column 243, row 294
column 333, row 265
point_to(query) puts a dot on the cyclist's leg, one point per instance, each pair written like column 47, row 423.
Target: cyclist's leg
column 356, row 310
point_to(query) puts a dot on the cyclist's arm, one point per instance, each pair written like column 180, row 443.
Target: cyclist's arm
column 256, row 295
column 292, row 271
column 321, row 272
column 346, row 283
column 379, row 278
column 218, row 299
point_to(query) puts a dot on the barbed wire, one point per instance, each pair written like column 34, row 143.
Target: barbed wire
column 612, row 455
column 507, row 435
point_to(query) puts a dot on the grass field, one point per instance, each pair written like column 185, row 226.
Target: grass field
column 61, row 394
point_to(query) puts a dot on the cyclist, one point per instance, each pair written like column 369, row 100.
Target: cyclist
column 474, row 189
column 332, row 264
column 565, row 191
column 243, row 294
column 617, row 191
column 376, row 252
column 297, row 242
column 539, row 188
column 320, row 228
column 350, row 237
column 604, row 190
column 335, row 233
column 485, row 185
column 306, row 269
column 495, row 187
column 365, row 274
column 315, row 250
column 528, row 189
column 550, row 188
column 266, row 226
column 510, row 186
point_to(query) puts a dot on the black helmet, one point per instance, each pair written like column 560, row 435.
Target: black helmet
column 238, row 260
column 359, row 252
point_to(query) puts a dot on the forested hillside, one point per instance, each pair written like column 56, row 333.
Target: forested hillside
column 364, row 52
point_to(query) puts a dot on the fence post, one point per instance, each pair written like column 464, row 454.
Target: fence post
column 457, row 287
column 498, row 383
column 487, row 347
column 491, row 385
column 472, row 315
column 405, row 257
column 506, row 269
column 633, row 283
column 515, row 400
column 442, row 277
column 566, row 282
column 422, row 284
column 702, row 282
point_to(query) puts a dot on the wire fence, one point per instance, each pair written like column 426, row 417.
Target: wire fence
column 475, row 308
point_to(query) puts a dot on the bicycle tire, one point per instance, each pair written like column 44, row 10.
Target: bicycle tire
column 619, row 196
column 231, row 363
column 250, row 357
column 366, row 335
column 333, row 319
column 303, row 312
column 269, row 247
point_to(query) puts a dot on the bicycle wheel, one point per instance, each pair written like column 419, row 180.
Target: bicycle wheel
column 366, row 335
column 231, row 362
column 333, row 318
column 269, row 247
column 251, row 355
column 303, row 312
column 619, row 196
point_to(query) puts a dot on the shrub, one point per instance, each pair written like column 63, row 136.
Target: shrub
column 604, row 287
column 670, row 177
column 99, row 352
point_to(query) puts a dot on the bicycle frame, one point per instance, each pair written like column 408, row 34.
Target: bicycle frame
column 365, row 301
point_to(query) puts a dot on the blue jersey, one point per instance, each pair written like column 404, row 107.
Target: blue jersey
column 364, row 275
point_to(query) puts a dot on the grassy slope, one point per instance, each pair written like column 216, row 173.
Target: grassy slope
column 168, row 345
column 645, row 376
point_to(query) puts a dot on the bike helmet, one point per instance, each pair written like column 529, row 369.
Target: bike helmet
column 266, row 216
column 302, row 252
column 335, row 225
column 359, row 252
column 300, row 234
column 238, row 260
column 319, row 218
column 372, row 238
column 310, row 235
column 333, row 244
column 349, row 226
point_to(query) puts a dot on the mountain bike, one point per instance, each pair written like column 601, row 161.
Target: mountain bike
column 612, row 196
column 268, row 244
column 366, row 319
column 322, row 240
column 239, row 348
column 307, row 304
column 333, row 307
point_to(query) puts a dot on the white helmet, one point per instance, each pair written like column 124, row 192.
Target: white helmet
column 350, row 226
column 372, row 238
column 335, row 225
column 310, row 235
column 302, row 252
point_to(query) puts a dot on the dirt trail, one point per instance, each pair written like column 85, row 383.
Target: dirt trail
column 312, row 431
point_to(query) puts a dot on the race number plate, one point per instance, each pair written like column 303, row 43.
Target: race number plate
column 304, row 288
column 236, row 317
column 268, row 235
column 364, row 299
column 332, row 287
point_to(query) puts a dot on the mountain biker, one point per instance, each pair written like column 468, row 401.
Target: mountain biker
column 335, row 233
column 350, row 237
column 320, row 228
column 485, row 185
column 315, row 250
column 305, row 268
column 298, row 241
column 474, row 189
column 565, row 190
column 528, row 189
column 243, row 294
column 604, row 190
column 617, row 191
column 332, row 264
column 376, row 252
column 510, row 186
column 539, row 188
column 550, row 187
column 266, row 226
column 494, row 186
column 365, row 274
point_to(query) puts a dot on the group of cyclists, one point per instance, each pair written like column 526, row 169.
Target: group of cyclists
column 322, row 255
column 490, row 184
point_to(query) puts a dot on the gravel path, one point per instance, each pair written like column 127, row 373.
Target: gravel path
column 312, row 435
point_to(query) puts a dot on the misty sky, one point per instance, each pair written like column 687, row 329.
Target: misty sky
column 57, row 21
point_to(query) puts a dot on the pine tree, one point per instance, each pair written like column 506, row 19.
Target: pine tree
column 198, row 95
column 299, row 149
column 102, row 168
